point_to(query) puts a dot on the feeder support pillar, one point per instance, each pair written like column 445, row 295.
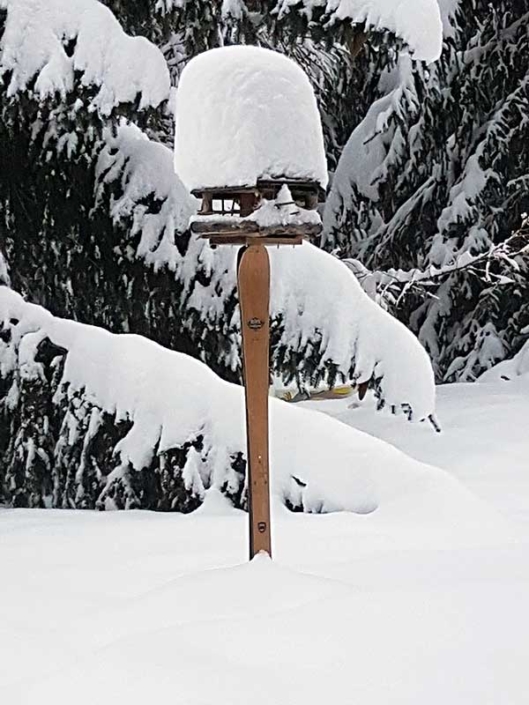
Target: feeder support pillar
column 253, row 275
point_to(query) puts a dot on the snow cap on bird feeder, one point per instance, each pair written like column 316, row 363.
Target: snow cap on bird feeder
column 249, row 142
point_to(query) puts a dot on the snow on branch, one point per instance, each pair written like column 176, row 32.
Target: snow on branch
column 47, row 42
column 98, row 419
column 324, row 327
column 392, row 285
column 448, row 9
column 140, row 169
column 370, row 155
column 322, row 308
column 418, row 22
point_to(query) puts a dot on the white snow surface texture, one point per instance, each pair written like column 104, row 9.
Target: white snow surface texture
column 33, row 47
column 171, row 399
column 115, row 608
column 418, row 22
column 244, row 113
column 518, row 366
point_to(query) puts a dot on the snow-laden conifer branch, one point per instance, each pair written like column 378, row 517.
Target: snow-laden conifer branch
column 92, row 419
column 390, row 286
column 47, row 44
column 435, row 175
column 148, row 193
column 418, row 22
column 503, row 267
column 506, row 370
column 323, row 325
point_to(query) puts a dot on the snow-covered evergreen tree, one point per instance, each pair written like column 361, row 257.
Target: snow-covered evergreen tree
column 94, row 227
column 104, row 200
column 436, row 176
column 427, row 142
column 67, row 72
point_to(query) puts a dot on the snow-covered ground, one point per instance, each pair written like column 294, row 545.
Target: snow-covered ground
column 484, row 440
column 382, row 609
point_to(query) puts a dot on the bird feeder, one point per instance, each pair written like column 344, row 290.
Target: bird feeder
column 249, row 144
column 242, row 206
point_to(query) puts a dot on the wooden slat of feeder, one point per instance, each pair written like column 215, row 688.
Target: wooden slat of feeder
column 207, row 201
column 218, row 191
column 246, row 231
column 223, row 226
column 231, row 239
column 247, row 203
column 248, row 196
column 299, row 184
column 222, row 192
column 251, row 228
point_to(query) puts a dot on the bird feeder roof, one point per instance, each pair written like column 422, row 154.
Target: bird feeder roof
column 243, row 115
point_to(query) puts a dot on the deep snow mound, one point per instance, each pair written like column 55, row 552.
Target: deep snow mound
column 245, row 113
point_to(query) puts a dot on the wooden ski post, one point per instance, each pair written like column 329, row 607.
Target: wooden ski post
column 253, row 274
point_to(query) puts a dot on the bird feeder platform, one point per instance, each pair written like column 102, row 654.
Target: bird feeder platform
column 247, row 232
column 273, row 212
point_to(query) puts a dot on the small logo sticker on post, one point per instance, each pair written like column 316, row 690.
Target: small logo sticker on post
column 255, row 323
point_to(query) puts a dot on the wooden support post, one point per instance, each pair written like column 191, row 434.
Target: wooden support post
column 254, row 297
